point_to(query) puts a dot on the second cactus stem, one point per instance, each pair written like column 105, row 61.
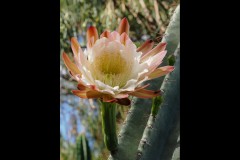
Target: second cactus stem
column 108, row 113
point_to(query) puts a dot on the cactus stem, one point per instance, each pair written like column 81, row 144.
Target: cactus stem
column 166, row 121
column 108, row 112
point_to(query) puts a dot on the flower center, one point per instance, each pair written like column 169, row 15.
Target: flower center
column 110, row 63
column 111, row 68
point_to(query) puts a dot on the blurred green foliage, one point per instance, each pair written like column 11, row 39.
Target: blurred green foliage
column 147, row 18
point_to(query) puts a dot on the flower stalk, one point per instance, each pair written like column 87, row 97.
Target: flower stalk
column 108, row 113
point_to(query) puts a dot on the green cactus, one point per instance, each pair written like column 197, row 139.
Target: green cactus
column 160, row 135
column 172, row 38
column 172, row 34
column 134, row 125
column 83, row 150
column 156, row 102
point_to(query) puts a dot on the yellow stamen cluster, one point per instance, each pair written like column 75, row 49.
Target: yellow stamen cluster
column 111, row 68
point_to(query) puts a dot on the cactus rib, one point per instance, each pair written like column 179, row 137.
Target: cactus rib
column 164, row 131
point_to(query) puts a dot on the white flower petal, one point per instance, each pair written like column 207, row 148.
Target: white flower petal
column 113, row 64
column 133, row 83
column 130, row 86
column 104, row 88
column 115, row 36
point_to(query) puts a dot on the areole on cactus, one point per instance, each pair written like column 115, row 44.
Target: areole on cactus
column 112, row 68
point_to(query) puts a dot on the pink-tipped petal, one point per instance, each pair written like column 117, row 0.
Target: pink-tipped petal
column 90, row 42
column 81, row 87
column 142, row 87
column 143, row 93
column 115, row 35
column 75, row 46
column 81, row 61
column 105, row 34
column 70, row 65
column 93, row 87
column 92, row 32
column 76, row 77
column 123, row 38
column 81, row 94
column 137, row 89
column 94, row 94
column 157, row 60
column 124, row 26
column 160, row 72
column 160, row 47
column 87, row 94
column 146, row 47
column 108, row 98
column 119, row 96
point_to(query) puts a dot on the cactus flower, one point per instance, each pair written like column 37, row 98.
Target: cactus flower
column 112, row 68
